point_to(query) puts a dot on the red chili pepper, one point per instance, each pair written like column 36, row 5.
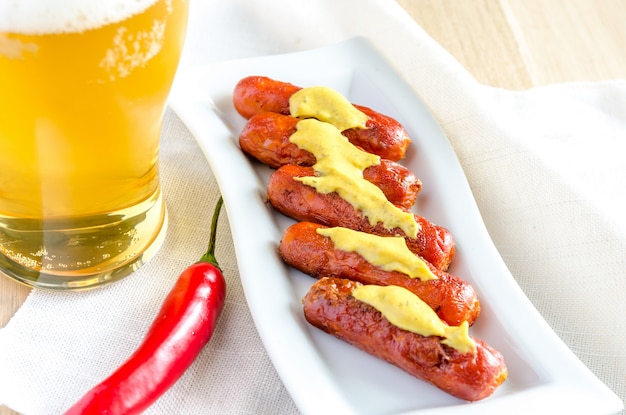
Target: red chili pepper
column 183, row 326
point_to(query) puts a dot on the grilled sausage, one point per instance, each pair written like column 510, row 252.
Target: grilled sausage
column 453, row 299
column 303, row 203
column 266, row 138
column 256, row 94
column 330, row 307
column 383, row 136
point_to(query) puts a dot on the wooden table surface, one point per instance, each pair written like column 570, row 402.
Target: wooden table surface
column 513, row 44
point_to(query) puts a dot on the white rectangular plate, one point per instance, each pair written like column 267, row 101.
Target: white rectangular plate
column 323, row 374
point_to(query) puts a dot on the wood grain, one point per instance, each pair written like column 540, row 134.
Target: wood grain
column 513, row 44
column 518, row 44
column 12, row 295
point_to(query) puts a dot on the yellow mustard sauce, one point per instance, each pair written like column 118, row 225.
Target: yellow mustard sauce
column 339, row 168
column 407, row 311
column 389, row 253
column 328, row 105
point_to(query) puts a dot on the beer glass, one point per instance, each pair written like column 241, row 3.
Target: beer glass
column 83, row 89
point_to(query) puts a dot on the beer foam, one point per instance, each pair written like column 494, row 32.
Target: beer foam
column 65, row 16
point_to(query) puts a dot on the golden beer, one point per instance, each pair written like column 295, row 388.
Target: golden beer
column 81, row 108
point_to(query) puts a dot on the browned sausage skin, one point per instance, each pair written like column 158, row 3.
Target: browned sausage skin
column 383, row 136
column 303, row 203
column 453, row 299
column 266, row 138
column 399, row 184
column 256, row 94
column 330, row 306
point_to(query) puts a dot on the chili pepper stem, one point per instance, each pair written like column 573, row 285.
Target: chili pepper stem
column 209, row 256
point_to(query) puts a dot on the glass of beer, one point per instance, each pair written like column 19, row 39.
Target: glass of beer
column 83, row 90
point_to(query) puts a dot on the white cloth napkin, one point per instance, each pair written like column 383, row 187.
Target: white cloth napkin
column 545, row 167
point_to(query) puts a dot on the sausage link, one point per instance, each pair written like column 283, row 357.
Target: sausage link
column 330, row 307
column 266, row 138
column 453, row 299
column 256, row 94
column 303, row 203
column 383, row 136
column 399, row 184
